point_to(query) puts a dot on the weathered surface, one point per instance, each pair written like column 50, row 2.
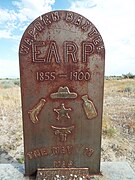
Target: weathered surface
column 62, row 71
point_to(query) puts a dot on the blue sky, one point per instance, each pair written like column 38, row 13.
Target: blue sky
column 113, row 18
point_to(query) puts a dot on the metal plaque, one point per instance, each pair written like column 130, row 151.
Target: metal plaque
column 62, row 72
column 63, row 174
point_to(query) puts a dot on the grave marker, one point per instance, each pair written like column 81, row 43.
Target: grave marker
column 62, row 72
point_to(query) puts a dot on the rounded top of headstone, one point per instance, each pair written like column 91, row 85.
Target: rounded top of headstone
column 61, row 25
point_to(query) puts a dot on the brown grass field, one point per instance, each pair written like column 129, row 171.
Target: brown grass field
column 118, row 132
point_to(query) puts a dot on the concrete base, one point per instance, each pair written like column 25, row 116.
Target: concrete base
column 109, row 170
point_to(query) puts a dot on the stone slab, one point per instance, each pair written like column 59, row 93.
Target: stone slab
column 117, row 171
column 109, row 170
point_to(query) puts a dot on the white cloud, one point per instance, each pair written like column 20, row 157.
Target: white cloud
column 7, row 15
column 83, row 4
column 9, row 68
column 21, row 15
column 5, row 33
column 29, row 9
column 114, row 20
column 8, row 20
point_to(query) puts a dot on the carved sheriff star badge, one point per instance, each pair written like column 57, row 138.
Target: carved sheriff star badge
column 62, row 112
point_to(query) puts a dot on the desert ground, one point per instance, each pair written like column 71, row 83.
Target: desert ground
column 118, row 131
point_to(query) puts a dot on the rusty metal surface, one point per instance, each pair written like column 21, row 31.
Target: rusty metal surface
column 62, row 71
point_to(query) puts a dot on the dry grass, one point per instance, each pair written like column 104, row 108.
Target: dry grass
column 124, row 85
column 119, row 113
column 10, row 121
column 108, row 129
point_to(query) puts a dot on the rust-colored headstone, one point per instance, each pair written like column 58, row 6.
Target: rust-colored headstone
column 62, row 72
